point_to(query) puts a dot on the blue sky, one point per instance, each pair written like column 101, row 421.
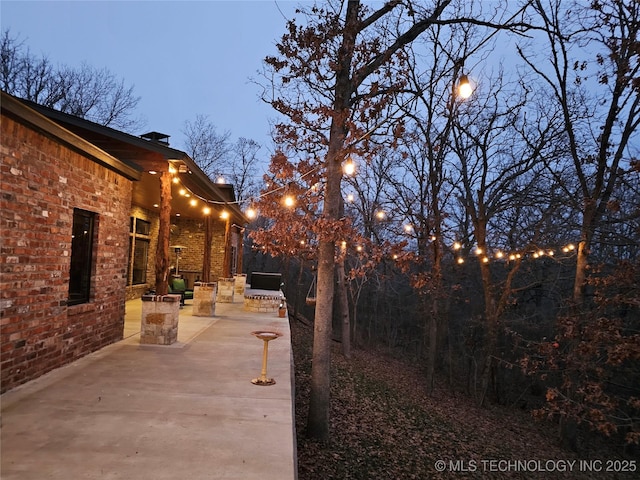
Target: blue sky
column 184, row 58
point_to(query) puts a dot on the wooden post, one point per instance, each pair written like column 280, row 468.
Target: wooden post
column 162, row 250
column 240, row 249
column 206, row 250
column 226, row 266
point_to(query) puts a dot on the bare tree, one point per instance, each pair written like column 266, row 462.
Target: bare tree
column 341, row 71
column 597, row 91
column 208, row 148
column 86, row 91
column 245, row 168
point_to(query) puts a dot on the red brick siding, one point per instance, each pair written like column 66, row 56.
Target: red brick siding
column 192, row 237
column 42, row 182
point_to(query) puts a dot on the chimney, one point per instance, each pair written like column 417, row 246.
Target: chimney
column 156, row 137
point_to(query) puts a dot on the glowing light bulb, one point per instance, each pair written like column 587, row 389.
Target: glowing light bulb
column 349, row 167
column 289, row 201
column 464, row 87
column 460, row 260
column 206, row 210
column 251, row 213
column 457, row 246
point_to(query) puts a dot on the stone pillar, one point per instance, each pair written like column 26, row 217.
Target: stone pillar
column 204, row 299
column 159, row 319
column 225, row 290
column 240, row 281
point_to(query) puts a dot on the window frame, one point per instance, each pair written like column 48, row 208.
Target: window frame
column 82, row 262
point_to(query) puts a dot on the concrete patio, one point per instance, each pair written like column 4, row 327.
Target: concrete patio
column 188, row 410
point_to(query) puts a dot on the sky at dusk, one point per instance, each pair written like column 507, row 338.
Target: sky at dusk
column 184, row 58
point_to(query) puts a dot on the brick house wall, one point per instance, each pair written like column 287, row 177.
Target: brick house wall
column 191, row 236
column 43, row 180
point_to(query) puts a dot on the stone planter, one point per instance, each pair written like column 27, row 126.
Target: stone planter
column 159, row 319
column 240, row 281
column 204, row 299
column 262, row 302
column 225, row 290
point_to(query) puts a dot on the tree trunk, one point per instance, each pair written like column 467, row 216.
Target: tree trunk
column 226, row 265
column 318, row 420
column 581, row 273
column 344, row 310
column 491, row 328
column 162, row 249
column 206, row 254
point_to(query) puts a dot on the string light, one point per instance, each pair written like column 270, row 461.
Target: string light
column 251, row 213
column 464, row 87
column 289, row 201
column 349, row 167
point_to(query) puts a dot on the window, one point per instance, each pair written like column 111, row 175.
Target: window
column 139, row 241
column 143, row 227
column 81, row 256
column 140, row 256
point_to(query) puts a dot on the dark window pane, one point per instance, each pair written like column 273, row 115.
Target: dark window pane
column 81, row 256
column 129, row 262
column 142, row 227
column 140, row 255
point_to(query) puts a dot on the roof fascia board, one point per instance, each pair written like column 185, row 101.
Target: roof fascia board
column 48, row 126
column 169, row 153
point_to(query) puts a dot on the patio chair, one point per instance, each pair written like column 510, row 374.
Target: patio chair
column 179, row 285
